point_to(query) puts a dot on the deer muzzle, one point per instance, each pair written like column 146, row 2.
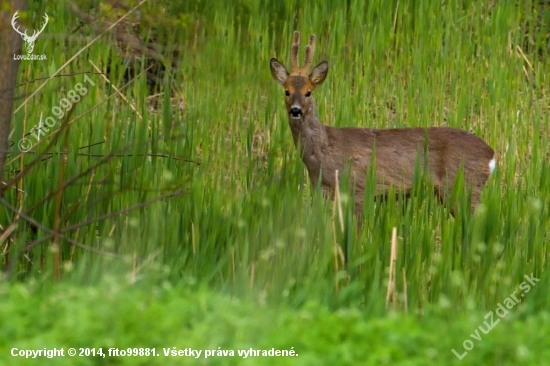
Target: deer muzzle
column 295, row 112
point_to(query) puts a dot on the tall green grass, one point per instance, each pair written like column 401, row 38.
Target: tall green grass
column 245, row 220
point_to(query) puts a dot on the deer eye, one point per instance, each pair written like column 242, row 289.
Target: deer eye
column 308, row 94
column 287, row 93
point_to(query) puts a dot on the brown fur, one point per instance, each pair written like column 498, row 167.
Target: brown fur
column 326, row 149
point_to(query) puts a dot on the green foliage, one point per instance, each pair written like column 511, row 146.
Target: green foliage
column 112, row 314
column 240, row 252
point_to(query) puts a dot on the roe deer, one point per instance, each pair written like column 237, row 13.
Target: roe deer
column 325, row 149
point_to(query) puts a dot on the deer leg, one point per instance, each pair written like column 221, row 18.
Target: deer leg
column 476, row 197
column 443, row 193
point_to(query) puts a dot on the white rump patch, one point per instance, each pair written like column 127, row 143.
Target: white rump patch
column 492, row 164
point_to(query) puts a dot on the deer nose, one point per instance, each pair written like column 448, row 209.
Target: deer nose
column 295, row 112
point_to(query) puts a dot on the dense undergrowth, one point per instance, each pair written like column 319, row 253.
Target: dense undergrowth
column 189, row 221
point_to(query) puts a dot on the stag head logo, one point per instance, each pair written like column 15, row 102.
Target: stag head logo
column 29, row 40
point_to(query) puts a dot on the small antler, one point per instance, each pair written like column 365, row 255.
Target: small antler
column 310, row 51
column 294, row 52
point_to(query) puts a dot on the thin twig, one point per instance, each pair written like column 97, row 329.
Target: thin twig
column 92, row 221
column 524, row 57
column 50, row 231
column 118, row 92
column 123, row 211
column 406, row 301
column 332, row 221
column 94, row 144
column 59, row 75
column 393, row 259
column 51, row 154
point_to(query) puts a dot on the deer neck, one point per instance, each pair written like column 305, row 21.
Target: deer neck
column 308, row 133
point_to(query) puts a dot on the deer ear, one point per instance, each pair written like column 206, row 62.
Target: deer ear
column 278, row 71
column 319, row 73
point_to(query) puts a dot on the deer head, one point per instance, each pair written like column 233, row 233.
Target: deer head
column 29, row 40
column 298, row 84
